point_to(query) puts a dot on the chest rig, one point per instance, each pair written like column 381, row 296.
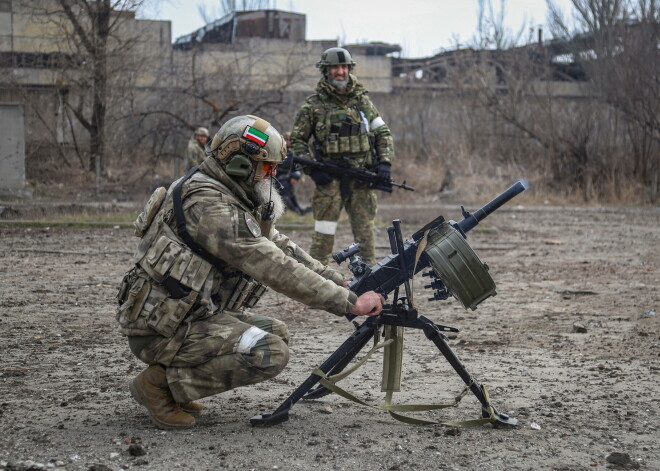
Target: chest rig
column 343, row 131
column 186, row 275
column 236, row 290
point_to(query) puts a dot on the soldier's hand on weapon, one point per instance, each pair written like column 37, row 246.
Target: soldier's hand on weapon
column 368, row 304
column 320, row 177
column 383, row 171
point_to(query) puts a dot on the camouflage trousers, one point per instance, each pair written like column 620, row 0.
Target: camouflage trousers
column 360, row 206
column 221, row 352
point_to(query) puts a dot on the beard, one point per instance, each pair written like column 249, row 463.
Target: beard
column 338, row 84
column 265, row 192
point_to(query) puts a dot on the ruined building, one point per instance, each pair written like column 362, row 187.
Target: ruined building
column 157, row 87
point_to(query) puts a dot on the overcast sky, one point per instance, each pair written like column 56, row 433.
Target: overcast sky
column 421, row 27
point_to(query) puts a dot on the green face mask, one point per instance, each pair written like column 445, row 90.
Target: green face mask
column 239, row 166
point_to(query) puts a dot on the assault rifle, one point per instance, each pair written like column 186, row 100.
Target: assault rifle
column 343, row 170
column 455, row 270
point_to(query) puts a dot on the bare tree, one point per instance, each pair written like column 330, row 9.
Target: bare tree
column 96, row 49
column 584, row 139
column 226, row 7
column 216, row 82
column 616, row 43
column 492, row 32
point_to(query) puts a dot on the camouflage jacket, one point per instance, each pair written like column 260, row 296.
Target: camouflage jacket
column 223, row 219
column 194, row 153
column 323, row 116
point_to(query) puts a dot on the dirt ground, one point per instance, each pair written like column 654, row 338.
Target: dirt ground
column 569, row 346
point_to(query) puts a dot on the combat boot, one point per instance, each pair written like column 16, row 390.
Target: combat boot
column 192, row 407
column 150, row 389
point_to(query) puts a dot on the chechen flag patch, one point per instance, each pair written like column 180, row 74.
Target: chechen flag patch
column 255, row 136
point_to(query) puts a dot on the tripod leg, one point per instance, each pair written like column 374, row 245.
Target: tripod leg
column 321, row 391
column 339, row 359
column 440, row 341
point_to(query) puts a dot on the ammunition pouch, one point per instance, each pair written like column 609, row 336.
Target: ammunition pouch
column 125, row 286
column 455, row 263
column 133, row 293
column 247, row 293
column 344, row 134
column 168, row 313
column 149, row 306
column 172, row 281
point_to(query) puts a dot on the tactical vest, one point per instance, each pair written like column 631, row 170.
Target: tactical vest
column 344, row 132
column 170, row 281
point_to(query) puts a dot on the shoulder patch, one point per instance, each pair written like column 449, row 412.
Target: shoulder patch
column 252, row 225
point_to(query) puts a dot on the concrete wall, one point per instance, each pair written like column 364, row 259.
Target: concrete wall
column 137, row 49
column 12, row 148
column 272, row 62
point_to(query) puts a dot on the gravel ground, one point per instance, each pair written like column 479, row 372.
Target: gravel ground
column 569, row 346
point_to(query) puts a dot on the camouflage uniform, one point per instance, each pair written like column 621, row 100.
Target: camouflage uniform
column 203, row 335
column 321, row 117
column 194, row 153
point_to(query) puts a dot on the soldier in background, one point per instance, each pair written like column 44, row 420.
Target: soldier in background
column 208, row 250
column 195, row 150
column 288, row 179
column 346, row 128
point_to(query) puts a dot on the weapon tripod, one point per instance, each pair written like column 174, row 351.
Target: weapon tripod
column 400, row 313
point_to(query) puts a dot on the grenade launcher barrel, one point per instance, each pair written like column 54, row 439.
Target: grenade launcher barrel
column 471, row 220
column 387, row 274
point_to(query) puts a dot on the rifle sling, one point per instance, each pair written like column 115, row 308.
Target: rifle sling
column 181, row 229
column 329, row 382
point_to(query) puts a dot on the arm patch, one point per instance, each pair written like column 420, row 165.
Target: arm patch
column 247, row 226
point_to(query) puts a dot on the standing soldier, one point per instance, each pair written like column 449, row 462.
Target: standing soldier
column 195, row 151
column 208, row 250
column 345, row 128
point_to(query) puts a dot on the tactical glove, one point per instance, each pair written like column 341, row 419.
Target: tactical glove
column 383, row 170
column 320, row 177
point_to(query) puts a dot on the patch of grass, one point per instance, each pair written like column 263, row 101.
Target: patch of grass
column 97, row 218
column 70, row 224
column 78, row 220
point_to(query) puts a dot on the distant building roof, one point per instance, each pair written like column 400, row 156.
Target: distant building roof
column 372, row 48
column 268, row 24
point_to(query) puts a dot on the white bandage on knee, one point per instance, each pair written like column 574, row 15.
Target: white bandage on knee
column 326, row 227
column 249, row 339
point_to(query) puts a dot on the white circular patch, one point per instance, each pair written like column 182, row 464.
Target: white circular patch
column 252, row 225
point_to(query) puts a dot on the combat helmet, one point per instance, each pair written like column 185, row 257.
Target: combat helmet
column 201, row 131
column 335, row 56
column 246, row 140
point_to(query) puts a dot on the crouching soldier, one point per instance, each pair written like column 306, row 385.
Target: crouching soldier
column 208, row 250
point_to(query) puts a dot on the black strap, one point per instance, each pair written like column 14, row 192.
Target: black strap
column 181, row 222
column 176, row 289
